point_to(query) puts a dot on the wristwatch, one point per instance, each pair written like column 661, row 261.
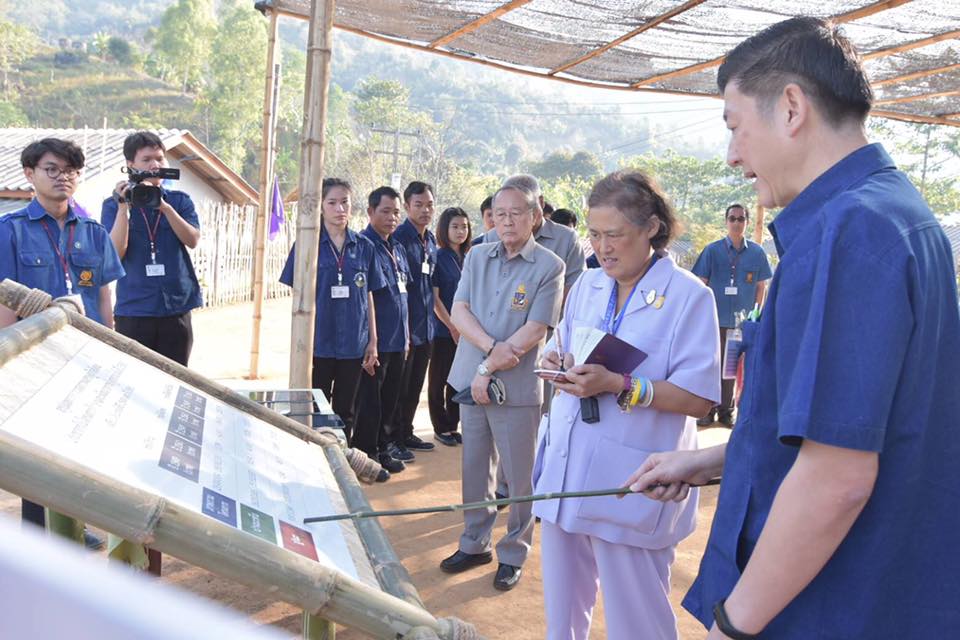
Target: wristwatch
column 726, row 627
column 483, row 371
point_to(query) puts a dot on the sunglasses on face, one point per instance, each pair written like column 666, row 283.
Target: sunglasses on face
column 737, row 219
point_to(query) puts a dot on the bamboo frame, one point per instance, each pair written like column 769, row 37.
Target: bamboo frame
column 311, row 175
column 909, row 46
column 479, row 22
column 655, row 22
column 392, row 575
column 919, row 96
column 909, row 117
column 266, row 193
column 916, row 75
column 850, row 16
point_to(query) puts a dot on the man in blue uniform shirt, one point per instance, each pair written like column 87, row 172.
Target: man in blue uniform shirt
column 737, row 271
column 378, row 394
column 420, row 246
column 48, row 246
column 839, row 507
column 160, row 289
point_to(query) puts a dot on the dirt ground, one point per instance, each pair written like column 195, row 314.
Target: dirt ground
column 221, row 351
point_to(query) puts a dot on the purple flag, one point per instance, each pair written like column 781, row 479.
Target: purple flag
column 276, row 210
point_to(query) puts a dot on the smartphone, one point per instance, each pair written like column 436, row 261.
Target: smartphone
column 552, row 374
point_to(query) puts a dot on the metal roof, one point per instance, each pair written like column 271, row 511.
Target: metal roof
column 103, row 149
column 909, row 47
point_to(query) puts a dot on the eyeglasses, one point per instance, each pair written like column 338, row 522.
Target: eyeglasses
column 737, row 219
column 53, row 172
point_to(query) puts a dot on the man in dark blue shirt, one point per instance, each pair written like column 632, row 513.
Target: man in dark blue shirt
column 378, row 394
column 737, row 271
column 839, row 507
column 160, row 289
column 47, row 246
column 420, row 246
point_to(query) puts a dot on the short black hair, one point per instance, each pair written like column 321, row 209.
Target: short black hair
column 486, row 204
column 377, row 195
column 736, row 205
column 416, row 188
column 63, row 149
column 810, row 52
column 330, row 183
column 566, row 217
column 547, row 209
column 443, row 228
column 136, row 141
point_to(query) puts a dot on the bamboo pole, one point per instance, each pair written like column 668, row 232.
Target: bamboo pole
column 134, row 514
column 266, row 181
column 758, row 224
column 311, row 177
column 393, row 577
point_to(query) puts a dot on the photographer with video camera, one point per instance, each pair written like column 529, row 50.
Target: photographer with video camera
column 151, row 228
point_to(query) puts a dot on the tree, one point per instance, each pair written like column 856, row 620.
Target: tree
column 17, row 43
column 560, row 164
column 184, row 39
column 101, row 43
column 236, row 95
column 120, row 50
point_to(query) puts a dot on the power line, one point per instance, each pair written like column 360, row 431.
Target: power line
column 653, row 136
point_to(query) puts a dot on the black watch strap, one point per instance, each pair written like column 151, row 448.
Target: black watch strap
column 726, row 627
column 491, row 348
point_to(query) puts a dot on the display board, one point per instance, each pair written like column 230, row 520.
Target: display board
column 108, row 411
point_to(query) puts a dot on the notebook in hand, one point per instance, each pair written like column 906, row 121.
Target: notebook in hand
column 592, row 346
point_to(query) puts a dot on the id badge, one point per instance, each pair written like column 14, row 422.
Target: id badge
column 156, row 270
column 339, row 291
column 729, row 291
column 401, row 285
column 425, row 268
column 731, row 353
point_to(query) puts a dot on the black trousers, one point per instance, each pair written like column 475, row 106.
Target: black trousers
column 170, row 336
column 376, row 404
column 444, row 412
column 414, row 374
column 725, row 408
column 339, row 379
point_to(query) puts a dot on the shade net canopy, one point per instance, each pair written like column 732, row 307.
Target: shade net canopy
column 910, row 47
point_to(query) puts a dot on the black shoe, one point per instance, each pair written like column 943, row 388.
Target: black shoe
column 706, row 420
column 500, row 496
column 383, row 476
column 457, row 437
column 413, row 442
column 726, row 419
column 507, row 577
column 445, row 438
column 390, row 463
column 461, row 561
column 92, row 541
column 399, row 452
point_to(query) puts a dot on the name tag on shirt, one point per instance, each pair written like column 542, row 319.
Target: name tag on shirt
column 425, row 268
column 156, row 270
column 339, row 291
column 401, row 285
column 729, row 291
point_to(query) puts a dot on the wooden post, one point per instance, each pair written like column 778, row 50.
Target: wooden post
column 266, row 193
column 758, row 224
column 311, row 176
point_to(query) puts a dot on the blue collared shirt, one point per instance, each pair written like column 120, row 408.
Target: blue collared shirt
column 420, row 287
column 858, row 347
column 390, row 303
column 177, row 290
column 723, row 265
column 445, row 279
column 341, row 327
column 27, row 255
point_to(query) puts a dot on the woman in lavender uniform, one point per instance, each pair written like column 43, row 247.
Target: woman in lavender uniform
column 623, row 546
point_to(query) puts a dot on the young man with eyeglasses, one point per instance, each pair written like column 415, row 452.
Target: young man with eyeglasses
column 736, row 270
column 160, row 289
column 47, row 246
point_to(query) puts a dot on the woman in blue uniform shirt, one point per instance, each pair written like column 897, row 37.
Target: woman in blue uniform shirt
column 345, row 334
column 453, row 238
column 642, row 297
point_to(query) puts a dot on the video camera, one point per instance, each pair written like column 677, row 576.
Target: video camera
column 147, row 196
